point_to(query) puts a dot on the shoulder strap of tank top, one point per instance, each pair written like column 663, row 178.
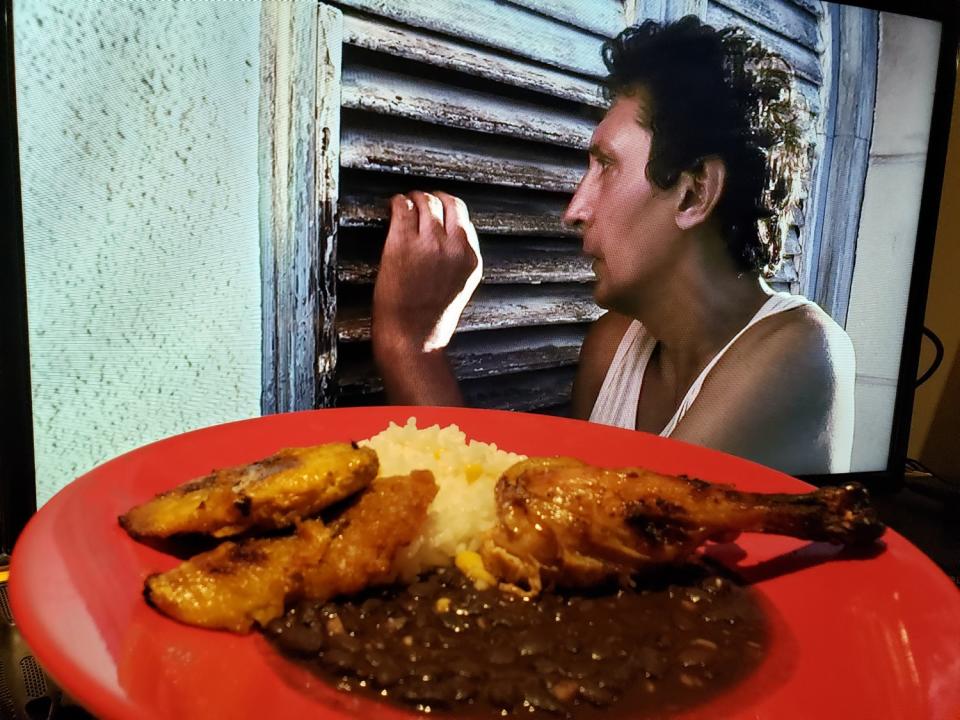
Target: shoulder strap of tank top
column 616, row 402
column 776, row 303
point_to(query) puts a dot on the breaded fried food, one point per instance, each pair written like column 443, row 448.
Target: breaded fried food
column 368, row 537
column 238, row 584
column 242, row 583
column 272, row 493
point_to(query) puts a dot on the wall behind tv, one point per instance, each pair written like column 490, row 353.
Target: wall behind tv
column 933, row 436
column 888, row 225
column 138, row 140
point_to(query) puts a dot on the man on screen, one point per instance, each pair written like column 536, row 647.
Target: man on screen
column 683, row 208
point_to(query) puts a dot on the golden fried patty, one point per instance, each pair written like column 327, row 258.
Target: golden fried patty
column 241, row 583
column 271, row 493
column 238, row 583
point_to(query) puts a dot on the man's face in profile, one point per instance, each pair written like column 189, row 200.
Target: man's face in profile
column 627, row 222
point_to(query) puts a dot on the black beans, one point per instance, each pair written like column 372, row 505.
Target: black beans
column 442, row 644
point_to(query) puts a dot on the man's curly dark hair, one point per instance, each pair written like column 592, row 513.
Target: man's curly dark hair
column 719, row 93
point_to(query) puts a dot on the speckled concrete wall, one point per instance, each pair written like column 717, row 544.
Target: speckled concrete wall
column 138, row 152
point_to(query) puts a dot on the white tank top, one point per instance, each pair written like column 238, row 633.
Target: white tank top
column 617, row 401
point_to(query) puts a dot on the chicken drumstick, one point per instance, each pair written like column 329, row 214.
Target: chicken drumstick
column 563, row 522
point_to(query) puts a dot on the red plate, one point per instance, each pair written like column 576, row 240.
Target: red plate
column 852, row 637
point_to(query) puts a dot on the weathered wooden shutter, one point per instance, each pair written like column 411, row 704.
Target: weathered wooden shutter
column 850, row 58
column 495, row 103
column 791, row 28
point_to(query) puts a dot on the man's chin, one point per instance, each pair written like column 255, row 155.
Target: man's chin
column 600, row 297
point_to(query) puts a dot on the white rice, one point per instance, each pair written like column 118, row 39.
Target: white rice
column 466, row 473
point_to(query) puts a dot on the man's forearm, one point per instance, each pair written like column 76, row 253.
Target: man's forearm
column 412, row 376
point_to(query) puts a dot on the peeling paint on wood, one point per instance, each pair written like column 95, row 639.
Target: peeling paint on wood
column 498, row 25
column 814, row 7
column 804, row 60
column 513, row 264
column 837, row 223
column 507, row 351
column 388, row 93
column 497, row 307
column 362, row 212
column 636, row 11
column 787, row 272
column 676, row 9
column 485, row 354
column 298, row 162
column 542, row 390
column 525, row 392
column 328, row 98
column 811, row 94
column 791, row 245
column 386, row 37
column 460, row 158
column 783, row 18
column 604, row 17
column 534, row 264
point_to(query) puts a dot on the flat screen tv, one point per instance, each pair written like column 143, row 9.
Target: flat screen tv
column 197, row 197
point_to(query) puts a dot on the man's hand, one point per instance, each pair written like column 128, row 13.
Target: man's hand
column 429, row 269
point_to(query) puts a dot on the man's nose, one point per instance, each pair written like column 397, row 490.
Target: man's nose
column 577, row 213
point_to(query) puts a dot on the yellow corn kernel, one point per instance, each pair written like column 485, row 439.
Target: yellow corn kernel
column 472, row 471
column 471, row 565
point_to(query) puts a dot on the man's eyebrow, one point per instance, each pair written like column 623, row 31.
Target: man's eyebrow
column 598, row 152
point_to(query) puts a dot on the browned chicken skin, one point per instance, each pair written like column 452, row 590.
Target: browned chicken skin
column 563, row 522
column 238, row 584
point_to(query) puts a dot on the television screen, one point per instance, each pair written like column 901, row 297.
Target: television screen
column 206, row 194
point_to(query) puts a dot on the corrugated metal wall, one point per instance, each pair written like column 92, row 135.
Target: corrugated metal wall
column 495, row 102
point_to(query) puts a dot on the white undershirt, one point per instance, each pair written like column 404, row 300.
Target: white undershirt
column 620, row 393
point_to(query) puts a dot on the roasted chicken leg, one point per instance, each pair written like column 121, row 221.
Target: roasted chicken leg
column 273, row 493
column 562, row 522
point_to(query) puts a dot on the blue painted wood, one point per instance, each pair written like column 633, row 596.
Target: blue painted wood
column 299, row 117
column 813, row 230
column 391, row 38
column 526, row 297
column 604, row 17
column 783, row 18
column 517, row 30
column 841, row 186
column 805, row 61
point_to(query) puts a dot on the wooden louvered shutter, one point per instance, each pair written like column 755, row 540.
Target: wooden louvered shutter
column 792, row 29
column 495, row 103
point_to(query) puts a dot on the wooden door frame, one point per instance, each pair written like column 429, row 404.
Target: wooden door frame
column 301, row 45
column 850, row 86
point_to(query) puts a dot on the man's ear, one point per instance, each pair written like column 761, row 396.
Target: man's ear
column 700, row 190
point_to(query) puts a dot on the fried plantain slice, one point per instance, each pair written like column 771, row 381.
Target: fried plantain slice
column 368, row 536
column 272, row 493
column 238, row 584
